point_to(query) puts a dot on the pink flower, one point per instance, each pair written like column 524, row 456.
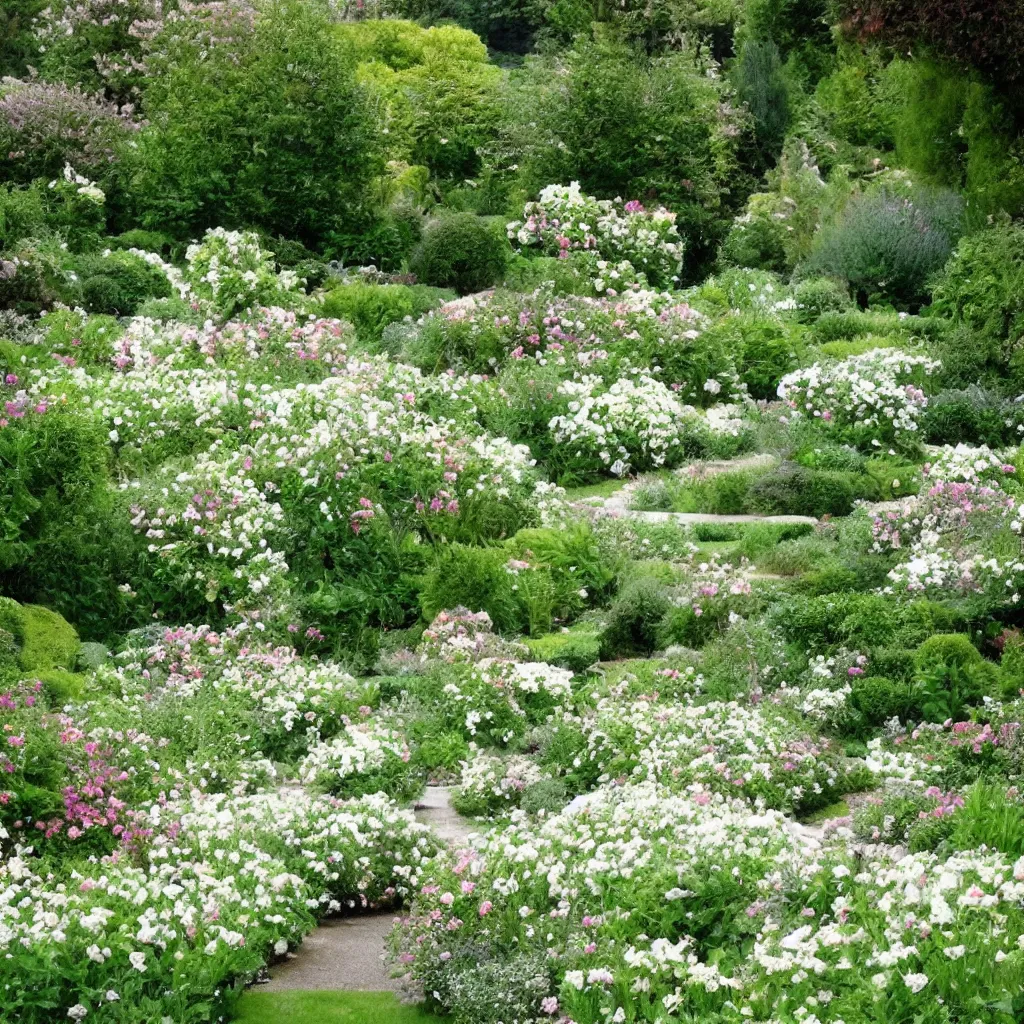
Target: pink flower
column 486, row 907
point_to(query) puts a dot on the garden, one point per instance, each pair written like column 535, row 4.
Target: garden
column 519, row 502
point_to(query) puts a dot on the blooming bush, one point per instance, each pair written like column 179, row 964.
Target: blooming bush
column 563, row 220
column 367, row 758
column 630, row 425
column 167, row 935
column 872, row 399
column 231, row 271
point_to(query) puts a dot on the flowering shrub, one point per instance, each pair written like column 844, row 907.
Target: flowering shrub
column 872, row 399
column 563, row 220
column 490, row 784
column 967, row 464
column 630, row 425
column 696, row 903
column 231, row 271
column 169, row 934
column 209, row 533
column 723, row 746
column 461, row 635
column 45, row 125
column 366, row 758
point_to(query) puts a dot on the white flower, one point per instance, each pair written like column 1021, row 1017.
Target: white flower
column 138, row 961
column 915, row 982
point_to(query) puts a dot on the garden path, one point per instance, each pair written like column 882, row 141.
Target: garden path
column 348, row 953
column 619, row 502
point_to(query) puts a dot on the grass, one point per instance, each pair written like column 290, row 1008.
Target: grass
column 604, row 489
column 328, row 1008
column 839, row 809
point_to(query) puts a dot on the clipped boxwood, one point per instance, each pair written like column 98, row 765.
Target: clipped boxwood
column 462, row 251
column 576, row 651
column 45, row 639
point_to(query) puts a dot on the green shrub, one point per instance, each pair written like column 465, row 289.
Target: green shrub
column 886, row 245
column 761, row 84
column 437, row 89
column 879, row 699
column 817, row 296
column 972, row 415
column 548, row 796
column 632, row 125
column 461, row 251
column 371, row 307
column 953, row 675
column 982, row 288
column 990, row 817
column 765, row 349
column 440, row 751
column 102, row 293
column 718, row 493
column 61, row 687
column 140, row 238
column 757, row 238
column 233, row 129
column 478, row 579
column 796, row 490
column 91, row 656
column 576, row 650
column 45, row 639
column 634, row 619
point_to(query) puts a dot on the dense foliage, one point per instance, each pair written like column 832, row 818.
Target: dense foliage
column 611, row 411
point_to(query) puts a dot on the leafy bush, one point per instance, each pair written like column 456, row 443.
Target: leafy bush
column 757, row 237
column 371, row 307
column 576, row 650
column 461, row 251
column 479, row 579
column 46, row 125
column 795, row 490
column 972, row 416
column 119, row 282
column 817, row 296
column 44, row 639
column 437, row 89
column 761, row 84
column 233, row 128
column 631, row 125
column 634, row 619
column 888, row 245
column 981, row 287
column 952, row 675
column 879, row 699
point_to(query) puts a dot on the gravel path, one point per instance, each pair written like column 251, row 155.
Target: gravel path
column 435, row 809
column 618, row 503
column 342, row 953
column 349, row 953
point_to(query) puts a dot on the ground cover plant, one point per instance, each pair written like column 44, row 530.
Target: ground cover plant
column 611, row 413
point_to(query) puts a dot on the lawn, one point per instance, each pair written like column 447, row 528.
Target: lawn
column 328, row 1008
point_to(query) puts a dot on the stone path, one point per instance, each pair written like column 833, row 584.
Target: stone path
column 619, row 502
column 342, row 953
column 435, row 809
column 348, row 953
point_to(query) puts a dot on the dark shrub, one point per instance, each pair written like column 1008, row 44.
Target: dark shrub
column 461, row 251
column 119, row 282
column 878, row 699
column 887, row 245
column 634, row 619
